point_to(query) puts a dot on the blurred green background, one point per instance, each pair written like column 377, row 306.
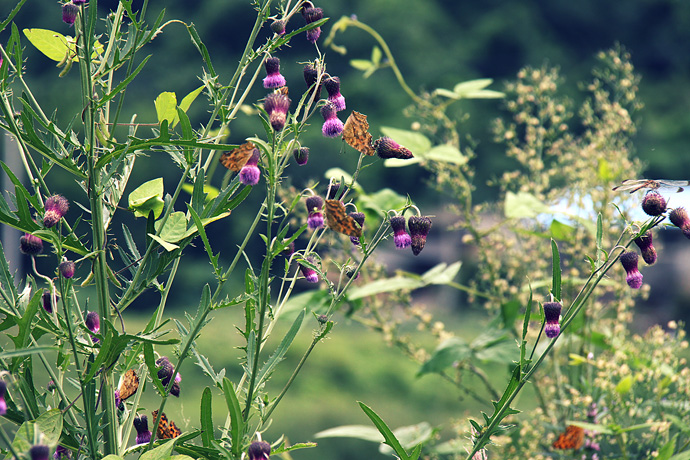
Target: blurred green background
column 436, row 44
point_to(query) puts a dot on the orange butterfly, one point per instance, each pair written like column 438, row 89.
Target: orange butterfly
column 573, row 438
column 166, row 428
column 339, row 221
column 238, row 157
column 282, row 90
column 130, row 383
column 356, row 133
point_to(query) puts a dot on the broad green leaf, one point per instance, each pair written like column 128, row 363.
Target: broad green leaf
column 442, row 273
column 448, row 352
column 470, row 86
column 445, row 153
column 382, row 201
column 364, row 432
column 523, row 205
column 206, row 417
column 55, row 46
column 170, row 247
column 166, row 107
column 24, row 437
column 625, row 385
column 162, row 452
column 667, row 449
column 361, row 64
column 396, row 283
column 154, row 204
column 560, row 231
column 141, row 196
column 416, row 142
column 50, row 425
column 189, row 98
column 174, row 229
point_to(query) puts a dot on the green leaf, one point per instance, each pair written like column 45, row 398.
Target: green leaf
column 625, row 385
column 445, row 153
column 50, row 425
column 376, row 55
column 166, row 107
column 189, row 98
column 162, row 452
column 150, row 361
column 170, row 247
column 174, row 229
column 561, row 231
column 396, row 283
column 471, row 86
column 509, row 313
column 388, row 435
column 556, row 271
column 416, row 142
column 410, row 436
column 448, row 352
column 441, row 273
column 362, row 64
column 112, row 457
column 484, row 94
column 364, row 432
column 445, row 93
column 210, row 191
column 236, row 421
column 25, row 352
column 381, row 201
column 667, row 449
column 147, row 197
column 206, row 417
column 278, row 355
column 523, row 205
column 52, row 44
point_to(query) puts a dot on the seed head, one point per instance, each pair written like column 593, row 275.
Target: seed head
column 653, row 204
column 419, row 229
column 30, row 245
column 633, row 275
column 645, row 243
column 400, row 236
column 552, row 314
column 273, row 77
column 679, row 218
column 332, row 85
column 332, row 126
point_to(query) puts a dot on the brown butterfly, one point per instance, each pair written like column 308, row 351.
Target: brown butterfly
column 130, row 383
column 236, row 158
column 282, row 90
column 573, row 438
column 356, row 133
column 166, row 428
column 339, row 221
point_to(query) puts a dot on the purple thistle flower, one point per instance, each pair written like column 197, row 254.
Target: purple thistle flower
column 289, row 250
column 311, row 76
column 93, row 322
column 419, row 229
column 79, row 2
column 30, row 245
column 309, row 273
column 277, row 105
column 359, row 218
column 633, row 275
column 47, row 300
column 679, row 218
column 332, row 85
column 314, row 206
column 3, row 392
column 141, row 423
column 118, row 401
column 250, row 172
column 39, row 452
column 654, row 204
column 259, row 450
column 165, row 370
column 333, row 190
column 332, row 126
column 69, row 13
column 66, row 268
column 552, row 314
column 312, row 14
column 56, row 207
column 278, row 26
column 400, row 236
column 301, row 155
column 388, row 148
column 645, row 243
column 273, row 77
column 62, row 453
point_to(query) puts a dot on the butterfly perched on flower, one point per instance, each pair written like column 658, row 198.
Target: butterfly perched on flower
column 572, row 438
column 339, row 221
column 236, row 158
column 356, row 133
column 166, row 428
column 129, row 385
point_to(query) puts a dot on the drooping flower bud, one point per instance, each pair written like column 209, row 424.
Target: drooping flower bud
column 301, row 155
column 39, row 452
column 359, row 218
column 309, row 273
column 47, row 300
column 645, row 243
column 277, row 105
column 30, row 245
column 633, row 275
column 332, row 85
column 388, row 148
column 93, row 323
column 259, row 450
column 69, row 13
column 66, row 268
column 333, row 190
column 679, row 218
column 165, row 370
column 141, row 423
column 312, row 14
column 56, row 207
column 419, row 229
column 250, row 172
column 289, row 250
column 3, row 392
column 311, row 76
column 278, row 26
column 400, row 236
column 654, row 204
column 552, row 314
column 314, row 206
column 332, row 126
column 273, row 77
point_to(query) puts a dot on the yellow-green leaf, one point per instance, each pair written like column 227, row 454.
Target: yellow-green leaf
column 53, row 44
column 166, row 107
column 625, row 385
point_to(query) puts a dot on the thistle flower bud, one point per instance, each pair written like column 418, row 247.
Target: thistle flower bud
column 278, row 26
column 250, row 172
column 388, row 148
column 312, row 14
column 419, row 229
column 552, row 314
column 314, row 206
column 333, row 190
column 3, row 392
column 633, row 275
column 93, row 323
column 56, row 207
column 141, row 423
column 350, row 272
column 332, row 85
column 66, row 269
column 645, row 243
column 30, row 245
column 165, row 370
column 289, row 250
column 301, row 155
column 309, row 273
column 69, row 13
column 277, row 105
column 359, row 218
column 62, row 453
column 39, row 452
column 273, row 77
column 311, row 76
column 47, row 300
column 401, row 238
column 679, row 218
column 332, row 126
column 653, row 204
column 259, row 450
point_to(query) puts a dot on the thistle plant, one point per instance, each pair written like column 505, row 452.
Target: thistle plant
column 98, row 369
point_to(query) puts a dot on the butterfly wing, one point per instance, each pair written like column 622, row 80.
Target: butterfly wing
column 339, row 221
column 572, row 438
column 236, row 158
column 166, row 428
column 130, row 384
column 356, row 133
